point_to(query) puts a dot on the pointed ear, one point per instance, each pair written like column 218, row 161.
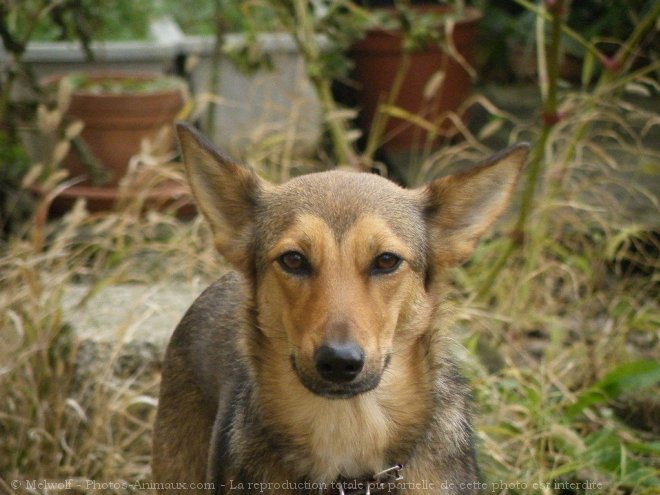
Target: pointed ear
column 225, row 192
column 460, row 208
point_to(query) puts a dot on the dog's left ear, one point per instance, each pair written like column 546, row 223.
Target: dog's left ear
column 460, row 208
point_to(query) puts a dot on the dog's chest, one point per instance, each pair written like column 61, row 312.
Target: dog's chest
column 347, row 438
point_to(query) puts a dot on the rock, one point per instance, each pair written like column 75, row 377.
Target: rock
column 123, row 330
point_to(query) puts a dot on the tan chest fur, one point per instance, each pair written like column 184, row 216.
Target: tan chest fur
column 347, row 437
column 350, row 438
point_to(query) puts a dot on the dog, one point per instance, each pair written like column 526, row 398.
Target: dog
column 320, row 364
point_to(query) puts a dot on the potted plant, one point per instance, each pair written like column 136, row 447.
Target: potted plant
column 118, row 112
column 414, row 68
column 42, row 38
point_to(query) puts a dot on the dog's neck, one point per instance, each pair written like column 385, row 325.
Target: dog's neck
column 350, row 438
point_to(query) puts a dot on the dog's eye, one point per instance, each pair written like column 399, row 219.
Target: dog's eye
column 295, row 263
column 385, row 263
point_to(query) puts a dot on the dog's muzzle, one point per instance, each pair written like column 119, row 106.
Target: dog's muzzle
column 337, row 371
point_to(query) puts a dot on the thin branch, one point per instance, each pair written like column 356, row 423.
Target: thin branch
column 550, row 118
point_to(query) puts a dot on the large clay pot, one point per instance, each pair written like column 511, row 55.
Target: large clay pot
column 377, row 58
column 117, row 122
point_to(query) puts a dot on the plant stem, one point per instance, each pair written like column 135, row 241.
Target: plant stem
column 613, row 67
column 589, row 47
column 625, row 53
column 536, row 163
column 15, row 49
column 550, row 118
column 337, row 127
column 303, row 29
column 381, row 117
column 16, row 45
column 98, row 174
column 607, row 84
column 216, row 60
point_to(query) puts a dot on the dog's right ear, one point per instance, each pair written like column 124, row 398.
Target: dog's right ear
column 225, row 191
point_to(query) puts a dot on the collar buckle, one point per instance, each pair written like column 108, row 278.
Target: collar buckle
column 392, row 473
column 379, row 483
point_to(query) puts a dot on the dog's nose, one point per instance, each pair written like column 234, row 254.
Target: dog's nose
column 339, row 362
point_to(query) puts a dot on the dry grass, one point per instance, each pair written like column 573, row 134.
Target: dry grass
column 579, row 300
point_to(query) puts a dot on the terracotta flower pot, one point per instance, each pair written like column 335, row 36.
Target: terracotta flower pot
column 120, row 110
column 377, row 58
column 116, row 121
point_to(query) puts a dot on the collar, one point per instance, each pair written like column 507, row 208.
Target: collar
column 379, row 483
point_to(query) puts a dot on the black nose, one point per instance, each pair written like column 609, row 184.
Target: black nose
column 340, row 362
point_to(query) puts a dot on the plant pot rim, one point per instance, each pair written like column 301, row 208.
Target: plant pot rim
column 388, row 40
column 178, row 84
column 470, row 14
column 468, row 21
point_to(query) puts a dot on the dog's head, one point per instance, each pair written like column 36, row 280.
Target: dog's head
column 343, row 265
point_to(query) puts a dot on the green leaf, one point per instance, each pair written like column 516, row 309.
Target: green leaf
column 607, row 450
column 587, row 68
column 625, row 378
column 630, row 376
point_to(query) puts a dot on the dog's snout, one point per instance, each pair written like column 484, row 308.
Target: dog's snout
column 339, row 362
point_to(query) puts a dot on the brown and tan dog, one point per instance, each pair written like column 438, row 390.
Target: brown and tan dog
column 321, row 362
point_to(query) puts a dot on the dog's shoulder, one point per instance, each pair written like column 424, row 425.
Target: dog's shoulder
column 217, row 309
column 207, row 337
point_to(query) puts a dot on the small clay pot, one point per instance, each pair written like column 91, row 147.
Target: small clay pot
column 377, row 58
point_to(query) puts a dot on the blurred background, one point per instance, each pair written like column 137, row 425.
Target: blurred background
column 557, row 315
